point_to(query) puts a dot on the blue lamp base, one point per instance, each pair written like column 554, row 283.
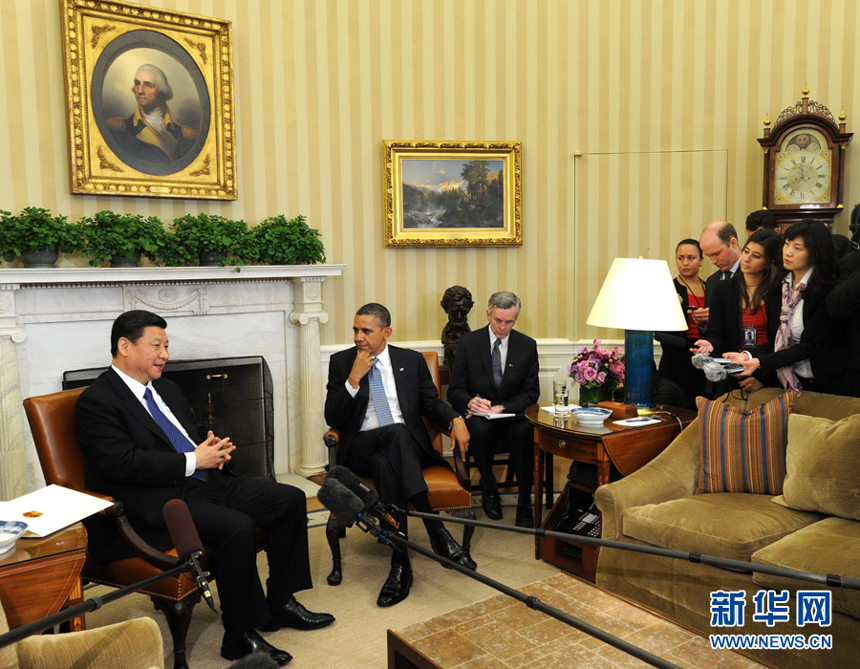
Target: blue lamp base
column 638, row 368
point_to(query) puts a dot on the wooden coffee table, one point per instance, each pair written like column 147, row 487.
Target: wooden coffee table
column 40, row 575
column 611, row 447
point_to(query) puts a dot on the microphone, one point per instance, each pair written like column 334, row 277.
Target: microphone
column 346, row 507
column 368, row 496
column 256, row 660
column 714, row 371
column 184, row 535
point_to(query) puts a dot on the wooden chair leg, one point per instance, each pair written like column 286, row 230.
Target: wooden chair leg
column 178, row 614
column 468, row 530
column 334, row 535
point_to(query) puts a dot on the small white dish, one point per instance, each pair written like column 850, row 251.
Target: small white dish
column 591, row 416
column 10, row 530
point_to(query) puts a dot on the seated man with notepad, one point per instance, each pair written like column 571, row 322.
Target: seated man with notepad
column 496, row 371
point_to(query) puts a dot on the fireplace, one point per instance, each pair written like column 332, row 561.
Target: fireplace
column 230, row 396
column 59, row 319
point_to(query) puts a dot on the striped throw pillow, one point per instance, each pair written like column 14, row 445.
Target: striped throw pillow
column 744, row 451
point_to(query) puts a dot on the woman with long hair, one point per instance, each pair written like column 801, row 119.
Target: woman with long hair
column 744, row 312
column 677, row 382
column 806, row 353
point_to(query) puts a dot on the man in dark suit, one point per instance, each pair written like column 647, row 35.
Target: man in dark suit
column 143, row 448
column 376, row 396
column 719, row 242
column 496, row 371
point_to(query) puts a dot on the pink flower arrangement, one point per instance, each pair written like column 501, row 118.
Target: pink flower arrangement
column 598, row 368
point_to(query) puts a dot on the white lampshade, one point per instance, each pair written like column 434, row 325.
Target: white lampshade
column 638, row 294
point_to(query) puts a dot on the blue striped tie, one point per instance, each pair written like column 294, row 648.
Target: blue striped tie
column 180, row 442
column 380, row 401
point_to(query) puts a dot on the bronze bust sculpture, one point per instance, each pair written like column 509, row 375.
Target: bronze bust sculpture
column 457, row 302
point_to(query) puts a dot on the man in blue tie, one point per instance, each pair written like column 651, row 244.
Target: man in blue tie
column 143, row 448
column 496, row 371
column 376, row 396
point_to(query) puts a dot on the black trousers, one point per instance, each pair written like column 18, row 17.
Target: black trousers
column 227, row 511
column 488, row 437
column 394, row 460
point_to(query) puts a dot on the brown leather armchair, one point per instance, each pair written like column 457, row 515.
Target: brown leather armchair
column 52, row 422
column 448, row 490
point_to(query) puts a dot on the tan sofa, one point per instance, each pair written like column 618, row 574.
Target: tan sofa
column 657, row 506
column 132, row 644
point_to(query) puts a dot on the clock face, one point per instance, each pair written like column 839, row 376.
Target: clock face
column 803, row 164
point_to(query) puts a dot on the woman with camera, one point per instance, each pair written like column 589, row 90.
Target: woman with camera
column 744, row 314
column 806, row 353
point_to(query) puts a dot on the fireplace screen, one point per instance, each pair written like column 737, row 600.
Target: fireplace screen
column 230, row 396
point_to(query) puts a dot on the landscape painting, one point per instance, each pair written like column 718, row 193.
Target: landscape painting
column 453, row 193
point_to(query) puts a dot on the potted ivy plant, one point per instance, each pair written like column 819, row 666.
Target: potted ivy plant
column 37, row 237
column 212, row 240
column 122, row 239
column 288, row 242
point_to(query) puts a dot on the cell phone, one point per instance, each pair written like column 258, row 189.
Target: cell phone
column 733, row 369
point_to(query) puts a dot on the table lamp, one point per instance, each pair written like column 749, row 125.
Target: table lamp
column 638, row 296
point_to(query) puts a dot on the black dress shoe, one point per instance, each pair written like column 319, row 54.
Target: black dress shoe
column 236, row 645
column 525, row 515
column 397, row 585
column 492, row 504
column 445, row 545
column 292, row 614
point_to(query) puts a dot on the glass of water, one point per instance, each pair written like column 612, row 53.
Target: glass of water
column 561, row 393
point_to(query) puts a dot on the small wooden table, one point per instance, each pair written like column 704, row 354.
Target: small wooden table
column 40, row 575
column 625, row 448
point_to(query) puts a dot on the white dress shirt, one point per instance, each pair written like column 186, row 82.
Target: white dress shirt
column 386, row 371
column 137, row 389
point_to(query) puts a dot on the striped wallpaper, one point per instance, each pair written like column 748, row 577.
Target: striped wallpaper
column 638, row 121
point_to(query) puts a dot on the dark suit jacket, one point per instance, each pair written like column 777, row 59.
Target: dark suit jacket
column 843, row 306
column 416, row 394
column 131, row 459
column 473, row 372
column 820, row 342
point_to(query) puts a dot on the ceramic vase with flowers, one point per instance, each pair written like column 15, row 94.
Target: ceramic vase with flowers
column 598, row 372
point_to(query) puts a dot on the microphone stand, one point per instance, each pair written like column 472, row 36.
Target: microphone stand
column 532, row 602
column 92, row 604
column 829, row 580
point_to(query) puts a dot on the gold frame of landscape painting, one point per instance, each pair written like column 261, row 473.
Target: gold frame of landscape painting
column 149, row 100
column 452, row 194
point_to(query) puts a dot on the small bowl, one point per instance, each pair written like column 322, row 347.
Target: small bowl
column 10, row 530
column 592, row 416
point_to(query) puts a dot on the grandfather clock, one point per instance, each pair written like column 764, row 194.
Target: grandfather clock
column 804, row 163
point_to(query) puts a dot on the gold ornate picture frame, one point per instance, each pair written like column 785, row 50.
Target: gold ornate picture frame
column 449, row 194
column 149, row 99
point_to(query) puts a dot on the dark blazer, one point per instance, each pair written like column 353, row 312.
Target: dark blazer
column 820, row 343
column 676, row 360
column 725, row 317
column 843, row 306
column 725, row 326
column 473, row 372
column 131, row 459
column 416, row 394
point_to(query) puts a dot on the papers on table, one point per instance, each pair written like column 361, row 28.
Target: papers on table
column 493, row 416
column 637, row 422
column 551, row 408
column 51, row 509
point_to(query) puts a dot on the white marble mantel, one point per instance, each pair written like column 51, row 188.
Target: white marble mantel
column 59, row 319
